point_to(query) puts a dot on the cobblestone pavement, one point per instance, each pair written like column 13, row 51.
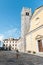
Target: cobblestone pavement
column 9, row 58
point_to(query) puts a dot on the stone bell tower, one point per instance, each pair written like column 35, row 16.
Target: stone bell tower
column 25, row 25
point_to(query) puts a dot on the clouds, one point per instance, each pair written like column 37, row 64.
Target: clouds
column 1, row 37
column 12, row 33
column 15, row 33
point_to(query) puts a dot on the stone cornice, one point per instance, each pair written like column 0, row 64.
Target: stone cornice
column 35, row 29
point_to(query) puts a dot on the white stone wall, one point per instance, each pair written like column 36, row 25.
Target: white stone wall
column 13, row 44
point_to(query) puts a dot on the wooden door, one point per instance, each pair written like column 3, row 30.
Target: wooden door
column 40, row 46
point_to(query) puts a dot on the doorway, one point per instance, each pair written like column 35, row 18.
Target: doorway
column 40, row 46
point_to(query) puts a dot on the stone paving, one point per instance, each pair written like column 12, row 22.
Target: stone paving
column 9, row 58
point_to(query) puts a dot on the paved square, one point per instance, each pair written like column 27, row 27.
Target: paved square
column 9, row 58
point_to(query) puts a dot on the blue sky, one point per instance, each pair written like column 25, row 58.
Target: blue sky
column 10, row 15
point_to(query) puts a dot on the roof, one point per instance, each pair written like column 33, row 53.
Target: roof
column 37, row 10
column 11, row 39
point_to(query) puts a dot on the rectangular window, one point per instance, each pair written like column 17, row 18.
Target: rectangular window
column 10, row 41
column 13, row 44
column 13, row 41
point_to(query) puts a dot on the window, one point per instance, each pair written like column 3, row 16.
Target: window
column 13, row 44
column 13, row 41
column 6, row 45
column 39, row 40
column 10, row 41
column 37, row 21
column 27, row 13
column 37, row 18
column 3, row 44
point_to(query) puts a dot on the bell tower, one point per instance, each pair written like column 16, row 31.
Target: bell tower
column 25, row 25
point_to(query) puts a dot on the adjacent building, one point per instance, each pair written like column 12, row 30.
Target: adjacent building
column 10, row 44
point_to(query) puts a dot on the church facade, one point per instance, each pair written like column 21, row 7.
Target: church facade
column 34, row 37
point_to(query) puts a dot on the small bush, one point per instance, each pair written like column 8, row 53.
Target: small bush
column 34, row 52
column 29, row 51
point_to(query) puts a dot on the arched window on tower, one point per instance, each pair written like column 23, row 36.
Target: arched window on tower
column 27, row 13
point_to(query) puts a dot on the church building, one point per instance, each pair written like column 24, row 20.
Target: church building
column 34, row 37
